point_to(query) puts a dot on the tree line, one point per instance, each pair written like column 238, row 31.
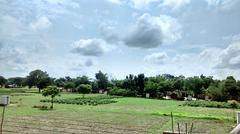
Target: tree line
column 135, row 85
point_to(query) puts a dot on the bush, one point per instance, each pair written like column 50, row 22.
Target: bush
column 213, row 104
column 84, row 89
column 121, row 92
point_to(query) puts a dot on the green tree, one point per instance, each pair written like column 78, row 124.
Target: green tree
column 3, row 81
column 195, row 85
column 16, row 81
column 217, row 92
column 102, row 80
column 230, row 86
column 84, row 89
column 50, row 91
column 35, row 77
column 60, row 82
column 69, row 85
column 141, row 83
column 151, row 88
column 81, row 80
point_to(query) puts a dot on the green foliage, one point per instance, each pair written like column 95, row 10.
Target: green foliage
column 121, row 92
column 230, row 86
column 217, row 92
column 213, row 104
column 3, row 81
column 102, row 80
column 84, row 89
column 81, row 80
column 97, row 100
column 16, row 81
column 50, row 91
column 194, row 84
column 38, row 78
column 152, row 88
column 69, row 85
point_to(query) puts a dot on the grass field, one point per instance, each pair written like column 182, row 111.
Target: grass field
column 128, row 115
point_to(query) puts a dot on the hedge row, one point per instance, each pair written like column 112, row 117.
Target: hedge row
column 213, row 104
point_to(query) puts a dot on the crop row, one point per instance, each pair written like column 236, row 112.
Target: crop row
column 98, row 100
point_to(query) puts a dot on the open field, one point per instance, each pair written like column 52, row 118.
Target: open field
column 128, row 115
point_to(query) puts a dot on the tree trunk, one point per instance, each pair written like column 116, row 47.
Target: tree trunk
column 39, row 90
column 52, row 104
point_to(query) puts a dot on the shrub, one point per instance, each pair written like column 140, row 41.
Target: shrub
column 84, row 89
column 121, row 92
column 213, row 104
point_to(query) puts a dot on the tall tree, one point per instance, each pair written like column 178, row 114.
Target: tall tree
column 38, row 78
column 3, row 81
column 81, row 80
column 141, row 82
column 102, row 80
column 230, row 86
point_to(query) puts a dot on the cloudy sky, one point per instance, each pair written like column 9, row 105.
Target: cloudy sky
column 70, row 37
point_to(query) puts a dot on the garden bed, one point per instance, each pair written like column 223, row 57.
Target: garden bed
column 97, row 100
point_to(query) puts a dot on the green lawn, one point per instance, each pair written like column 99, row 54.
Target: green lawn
column 148, row 114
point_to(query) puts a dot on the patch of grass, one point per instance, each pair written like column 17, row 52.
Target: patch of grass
column 184, row 115
column 127, row 112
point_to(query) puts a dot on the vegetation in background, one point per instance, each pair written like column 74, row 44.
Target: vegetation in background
column 135, row 85
column 214, row 104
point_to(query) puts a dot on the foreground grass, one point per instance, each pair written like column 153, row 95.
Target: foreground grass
column 150, row 114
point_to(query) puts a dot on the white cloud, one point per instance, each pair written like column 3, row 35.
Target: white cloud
column 174, row 4
column 41, row 23
column 138, row 4
column 119, row 2
column 151, row 31
column 91, row 47
column 144, row 4
column 156, row 58
column 222, row 4
column 229, row 57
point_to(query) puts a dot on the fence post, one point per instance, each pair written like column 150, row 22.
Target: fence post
column 2, row 119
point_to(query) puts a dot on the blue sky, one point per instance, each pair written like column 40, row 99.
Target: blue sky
column 119, row 37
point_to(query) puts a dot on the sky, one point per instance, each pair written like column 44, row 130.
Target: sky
column 120, row 37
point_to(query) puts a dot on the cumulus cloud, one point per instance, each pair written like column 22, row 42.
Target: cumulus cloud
column 222, row 4
column 107, row 30
column 91, row 47
column 174, row 4
column 41, row 23
column 144, row 4
column 152, row 31
column 229, row 57
column 156, row 58
column 81, row 65
column 119, row 2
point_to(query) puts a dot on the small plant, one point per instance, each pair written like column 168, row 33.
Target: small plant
column 51, row 91
column 42, row 107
